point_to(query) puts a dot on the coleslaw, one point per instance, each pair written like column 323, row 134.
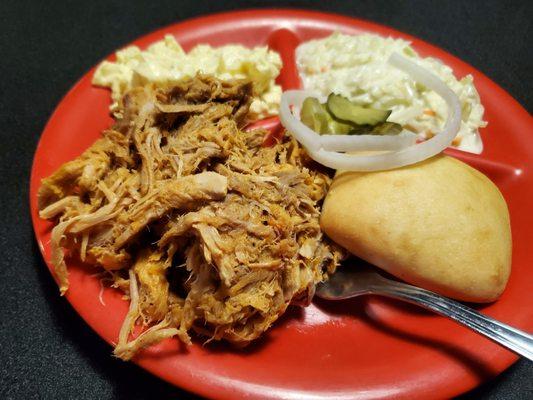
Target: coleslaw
column 356, row 67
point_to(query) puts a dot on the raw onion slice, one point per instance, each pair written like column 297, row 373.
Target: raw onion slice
column 383, row 161
column 367, row 142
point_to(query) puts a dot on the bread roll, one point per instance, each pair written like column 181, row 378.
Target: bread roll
column 439, row 224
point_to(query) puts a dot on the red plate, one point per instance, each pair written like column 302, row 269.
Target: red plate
column 365, row 348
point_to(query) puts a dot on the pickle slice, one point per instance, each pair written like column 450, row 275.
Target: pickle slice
column 321, row 119
column 316, row 116
column 344, row 109
column 387, row 128
column 313, row 115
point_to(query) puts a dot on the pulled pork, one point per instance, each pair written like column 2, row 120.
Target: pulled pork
column 203, row 227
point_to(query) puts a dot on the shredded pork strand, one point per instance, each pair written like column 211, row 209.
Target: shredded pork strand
column 199, row 224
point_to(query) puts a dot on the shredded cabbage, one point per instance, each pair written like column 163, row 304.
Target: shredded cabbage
column 356, row 67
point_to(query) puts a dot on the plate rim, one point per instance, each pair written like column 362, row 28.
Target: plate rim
column 503, row 362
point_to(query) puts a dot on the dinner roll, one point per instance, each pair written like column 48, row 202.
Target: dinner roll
column 438, row 224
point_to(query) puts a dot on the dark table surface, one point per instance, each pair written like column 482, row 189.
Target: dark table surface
column 46, row 350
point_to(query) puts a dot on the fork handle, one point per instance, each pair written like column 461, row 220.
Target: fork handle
column 514, row 339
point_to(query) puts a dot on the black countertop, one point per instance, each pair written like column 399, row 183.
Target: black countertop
column 46, row 350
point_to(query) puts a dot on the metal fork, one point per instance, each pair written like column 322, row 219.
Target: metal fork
column 349, row 282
